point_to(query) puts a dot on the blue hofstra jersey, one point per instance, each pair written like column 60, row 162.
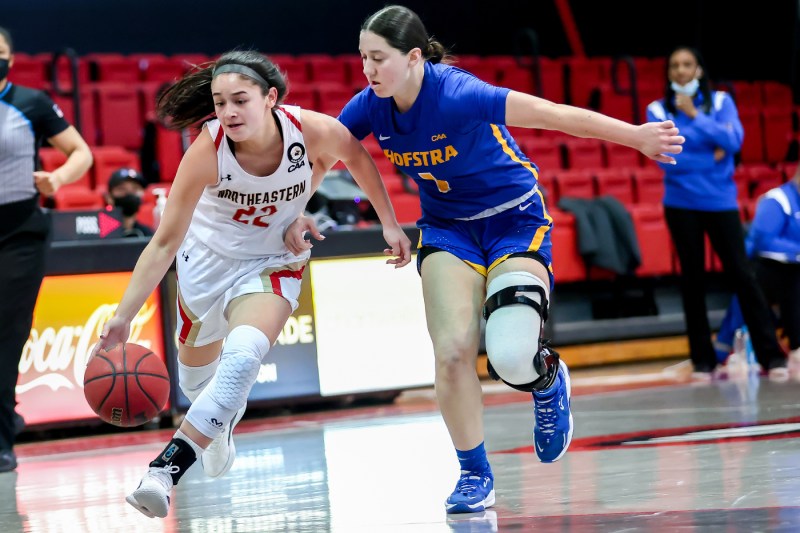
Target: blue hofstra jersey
column 452, row 143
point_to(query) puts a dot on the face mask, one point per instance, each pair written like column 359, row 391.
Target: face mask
column 689, row 89
column 3, row 69
column 129, row 204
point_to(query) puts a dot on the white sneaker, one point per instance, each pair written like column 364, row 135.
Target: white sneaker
column 218, row 458
column 151, row 497
column 779, row 374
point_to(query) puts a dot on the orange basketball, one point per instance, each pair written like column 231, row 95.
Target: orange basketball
column 126, row 386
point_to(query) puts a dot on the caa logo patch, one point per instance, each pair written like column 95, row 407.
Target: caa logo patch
column 296, row 152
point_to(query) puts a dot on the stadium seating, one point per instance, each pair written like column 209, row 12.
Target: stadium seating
column 118, row 98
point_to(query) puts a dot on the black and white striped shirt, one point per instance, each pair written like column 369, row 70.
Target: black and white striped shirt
column 27, row 117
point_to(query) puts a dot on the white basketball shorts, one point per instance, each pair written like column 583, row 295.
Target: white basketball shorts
column 208, row 282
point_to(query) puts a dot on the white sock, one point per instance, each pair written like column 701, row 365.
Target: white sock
column 198, row 451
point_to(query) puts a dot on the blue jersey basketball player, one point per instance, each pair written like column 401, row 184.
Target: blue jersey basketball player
column 485, row 231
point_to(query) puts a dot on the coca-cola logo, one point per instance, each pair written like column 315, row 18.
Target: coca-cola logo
column 56, row 358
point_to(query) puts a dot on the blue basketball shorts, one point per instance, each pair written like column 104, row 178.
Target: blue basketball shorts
column 486, row 242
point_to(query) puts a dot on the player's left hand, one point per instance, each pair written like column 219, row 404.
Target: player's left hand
column 295, row 236
column 46, row 182
column 400, row 250
column 657, row 140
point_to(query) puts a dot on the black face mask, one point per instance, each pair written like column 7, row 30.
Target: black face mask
column 3, row 69
column 129, row 204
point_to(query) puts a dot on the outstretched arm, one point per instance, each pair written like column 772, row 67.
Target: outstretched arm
column 656, row 140
column 328, row 141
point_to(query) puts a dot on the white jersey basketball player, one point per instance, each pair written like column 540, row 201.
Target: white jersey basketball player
column 246, row 177
column 228, row 234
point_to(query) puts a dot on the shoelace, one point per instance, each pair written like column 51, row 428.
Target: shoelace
column 546, row 416
column 465, row 485
column 164, row 474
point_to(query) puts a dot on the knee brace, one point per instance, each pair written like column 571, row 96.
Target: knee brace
column 193, row 379
column 515, row 312
column 227, row 392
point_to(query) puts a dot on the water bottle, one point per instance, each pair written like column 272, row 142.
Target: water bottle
column 158, row 208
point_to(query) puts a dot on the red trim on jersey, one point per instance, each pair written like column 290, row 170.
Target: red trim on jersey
column 220, row 135
column 187, row 323
column 275, row 278
column 293, row 119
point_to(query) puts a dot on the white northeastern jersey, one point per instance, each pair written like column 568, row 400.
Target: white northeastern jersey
column 244, row 216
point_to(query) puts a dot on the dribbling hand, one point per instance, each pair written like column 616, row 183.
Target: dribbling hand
column 116, row 331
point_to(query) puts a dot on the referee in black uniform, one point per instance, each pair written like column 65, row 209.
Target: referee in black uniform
column 27, row 116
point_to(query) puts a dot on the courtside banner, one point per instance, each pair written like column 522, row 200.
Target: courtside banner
column 69, row 316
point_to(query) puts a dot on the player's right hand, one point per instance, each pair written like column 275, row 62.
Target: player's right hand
column 115, row 331
column 295, row 236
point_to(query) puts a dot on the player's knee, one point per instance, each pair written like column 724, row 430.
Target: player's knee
column 455, row 356
column 515, row 311
column 244, row 349
column 193, row 379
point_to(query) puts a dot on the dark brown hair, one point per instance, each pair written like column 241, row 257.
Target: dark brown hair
column 189, row 101
column 704, row 86
column 403, row 30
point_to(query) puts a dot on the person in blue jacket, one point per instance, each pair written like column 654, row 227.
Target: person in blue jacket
column 773, row 243
column 485, row 232
column 700, row 200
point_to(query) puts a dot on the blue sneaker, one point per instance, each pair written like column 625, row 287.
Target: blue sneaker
column 552, row 429
column 474, row 493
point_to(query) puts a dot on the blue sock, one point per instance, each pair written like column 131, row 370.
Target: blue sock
column 474, row 460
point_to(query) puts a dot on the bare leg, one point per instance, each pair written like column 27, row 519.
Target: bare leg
column 454, row 295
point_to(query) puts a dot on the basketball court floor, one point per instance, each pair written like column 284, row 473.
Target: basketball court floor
column 649, row 454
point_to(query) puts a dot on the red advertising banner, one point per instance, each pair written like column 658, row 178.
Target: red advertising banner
column 69, row 316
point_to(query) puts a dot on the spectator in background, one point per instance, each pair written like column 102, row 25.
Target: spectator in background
column 700, row 200
column 27, row 117
column 125, row 190
column 774, row 244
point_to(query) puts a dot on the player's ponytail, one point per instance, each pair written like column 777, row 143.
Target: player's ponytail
column 189, row 101
column 403, row 30
column 435, row 51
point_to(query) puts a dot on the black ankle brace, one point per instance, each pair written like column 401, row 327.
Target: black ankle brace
column 178, row 453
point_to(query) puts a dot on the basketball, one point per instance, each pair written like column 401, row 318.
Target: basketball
column 126, row 386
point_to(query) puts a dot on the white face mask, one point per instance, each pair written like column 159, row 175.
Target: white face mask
column 689, row 89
